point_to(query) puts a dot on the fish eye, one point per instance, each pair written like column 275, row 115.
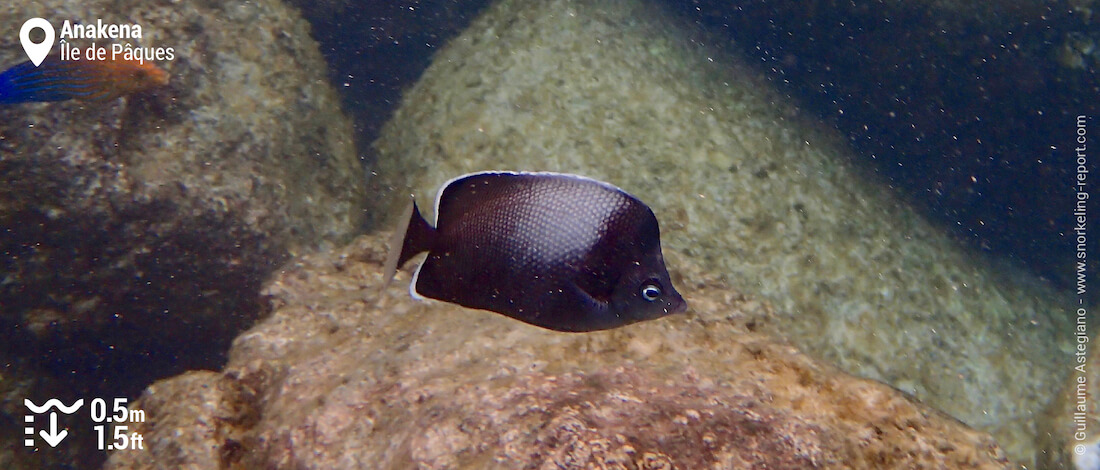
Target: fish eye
column 651, row 291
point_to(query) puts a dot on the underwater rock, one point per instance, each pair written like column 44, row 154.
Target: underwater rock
column 906, row 121
column 338, row 376
column 743, row 184
column 1075, row 440
column 191, row 419
column 138, row 231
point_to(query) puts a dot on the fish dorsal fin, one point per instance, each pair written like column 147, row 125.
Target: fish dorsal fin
column 459, row 195
column 451, row 197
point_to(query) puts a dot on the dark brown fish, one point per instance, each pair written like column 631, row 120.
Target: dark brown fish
column 560, row 251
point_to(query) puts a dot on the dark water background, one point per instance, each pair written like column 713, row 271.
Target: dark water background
column 971, row 118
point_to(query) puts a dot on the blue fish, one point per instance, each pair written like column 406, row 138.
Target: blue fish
column 58, row 80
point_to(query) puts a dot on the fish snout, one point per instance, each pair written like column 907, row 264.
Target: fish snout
column 676, row 304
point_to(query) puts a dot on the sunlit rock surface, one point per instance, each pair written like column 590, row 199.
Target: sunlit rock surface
column 340, row 378
column 744, row 185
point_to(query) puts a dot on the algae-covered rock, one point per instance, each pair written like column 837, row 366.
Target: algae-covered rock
column 138, row 231
column 338, row 377
column 743, row 185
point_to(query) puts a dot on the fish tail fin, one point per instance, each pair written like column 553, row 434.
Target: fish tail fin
column 9, row 89
column 412, row 236
column 52, row 80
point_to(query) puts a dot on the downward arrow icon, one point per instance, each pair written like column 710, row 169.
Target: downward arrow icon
column 53, row 438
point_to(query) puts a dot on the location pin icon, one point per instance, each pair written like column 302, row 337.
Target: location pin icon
column 36, row 51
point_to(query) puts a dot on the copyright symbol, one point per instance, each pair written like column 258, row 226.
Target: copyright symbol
column 1079, row 449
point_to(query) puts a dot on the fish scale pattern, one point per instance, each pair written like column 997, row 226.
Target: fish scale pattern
column 551, row 222
column 546, row 248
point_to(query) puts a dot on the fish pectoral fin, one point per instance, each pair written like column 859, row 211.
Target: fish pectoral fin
column 588, row 300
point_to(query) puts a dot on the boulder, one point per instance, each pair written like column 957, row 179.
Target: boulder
column 345, row 375
column 746, row 185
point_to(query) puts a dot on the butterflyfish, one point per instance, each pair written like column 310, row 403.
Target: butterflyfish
column 559, row 251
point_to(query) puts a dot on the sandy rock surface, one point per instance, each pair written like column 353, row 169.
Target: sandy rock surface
column 340, row 378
